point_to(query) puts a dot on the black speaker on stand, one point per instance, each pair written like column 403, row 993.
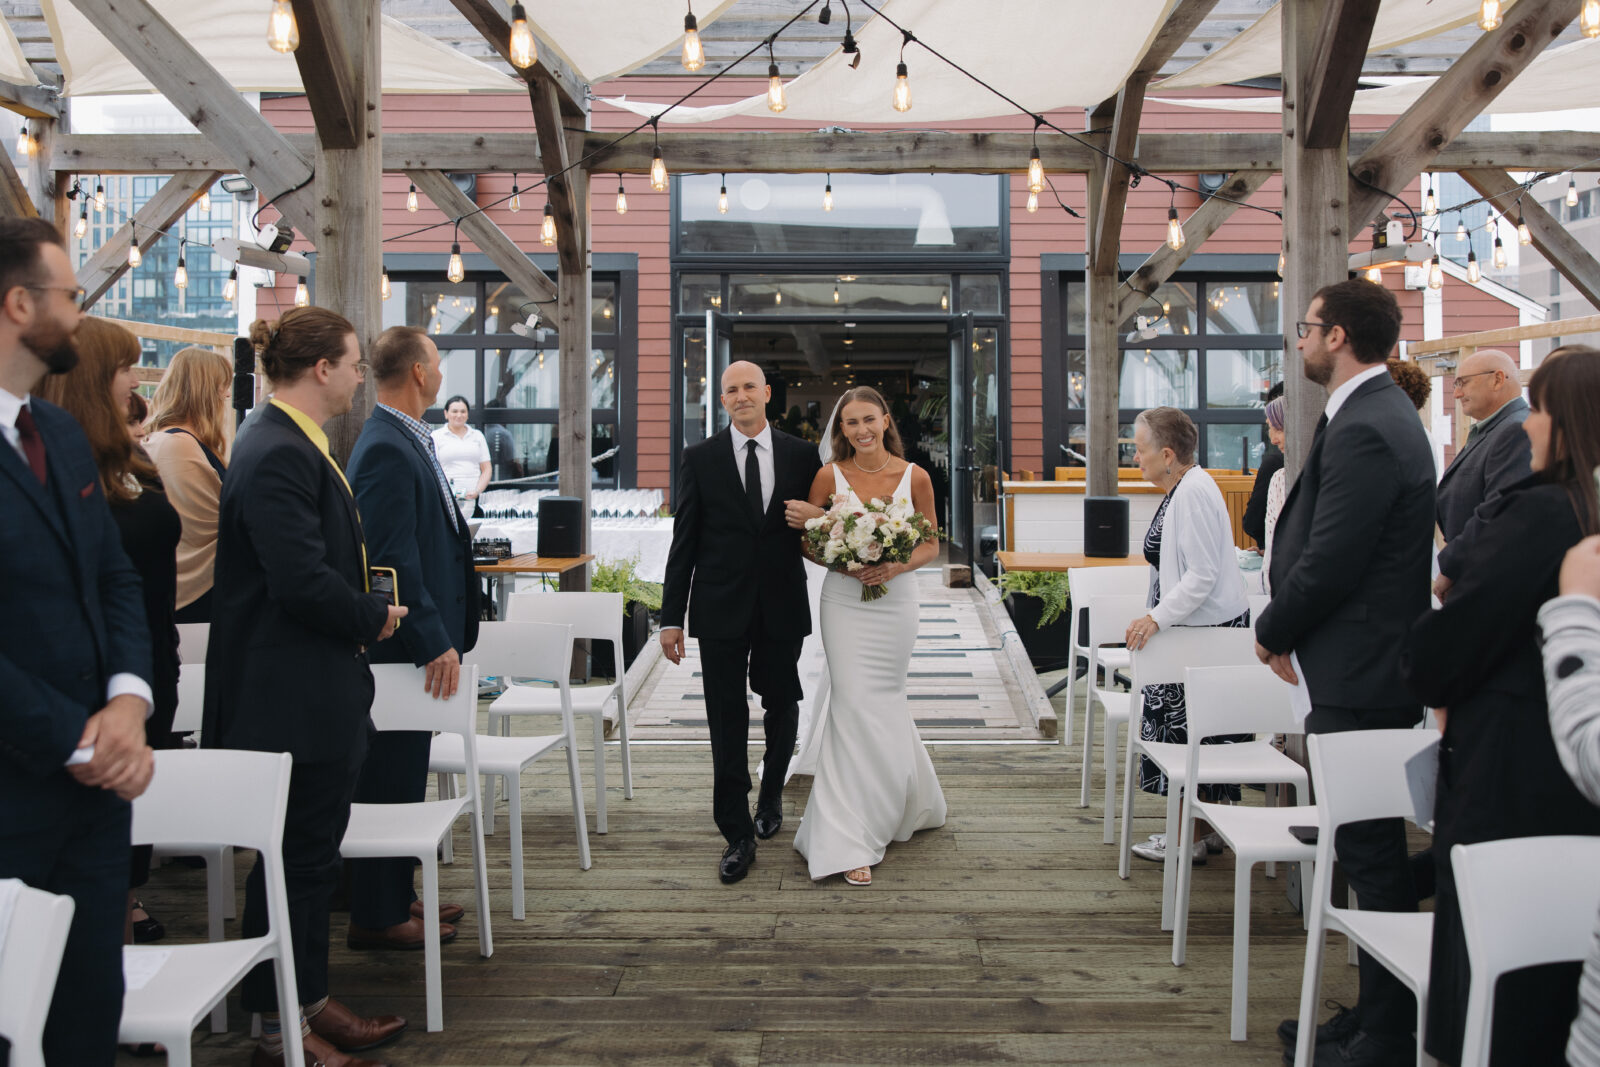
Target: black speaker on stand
column 1105, row 526
column 244, row 377
column 560, row 526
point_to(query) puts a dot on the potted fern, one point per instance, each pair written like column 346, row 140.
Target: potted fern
column 1040, row 612
column 639, row 599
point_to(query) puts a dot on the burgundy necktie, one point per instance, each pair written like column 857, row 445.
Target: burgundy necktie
column 32, row 443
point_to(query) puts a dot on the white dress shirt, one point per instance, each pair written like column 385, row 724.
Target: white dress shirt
column 1337, row 398
column 763, row 442
column 10, row 406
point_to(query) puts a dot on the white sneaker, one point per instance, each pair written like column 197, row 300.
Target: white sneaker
column 1155, row 850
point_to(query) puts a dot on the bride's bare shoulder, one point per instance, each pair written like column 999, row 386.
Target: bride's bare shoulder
column 822, row 485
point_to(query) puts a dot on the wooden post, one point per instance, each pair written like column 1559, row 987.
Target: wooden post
column 575, row 426
column 1101, row 357
column 348, row 199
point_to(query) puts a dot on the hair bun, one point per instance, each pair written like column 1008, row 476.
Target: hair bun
column 263, row 332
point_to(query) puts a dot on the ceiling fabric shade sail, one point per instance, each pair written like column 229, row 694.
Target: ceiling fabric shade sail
column 607, row 39
column 13, row 64
column 1062, row 54
column 231, row 35
column 1258, row 51
column 1546, row 85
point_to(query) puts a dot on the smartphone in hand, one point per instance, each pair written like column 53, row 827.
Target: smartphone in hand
column 382, row 580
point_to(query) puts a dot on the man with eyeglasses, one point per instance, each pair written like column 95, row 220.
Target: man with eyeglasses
column 74, row 653
column 1351, row 562
column 1495, row 457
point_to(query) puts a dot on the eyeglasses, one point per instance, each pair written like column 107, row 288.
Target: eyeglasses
column 1303, row 329
column 1479, row 374
column 75, row 292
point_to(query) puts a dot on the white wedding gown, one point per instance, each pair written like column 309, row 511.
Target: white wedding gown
column 874, row 781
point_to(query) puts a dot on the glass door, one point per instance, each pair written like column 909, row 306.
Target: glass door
column 958, row 429
column 718, row 353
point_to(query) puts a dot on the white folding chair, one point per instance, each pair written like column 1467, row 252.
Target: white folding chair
column 30, row 957
column 1525, row 901
column 1238, row 700
column 530, row 650
column 382, row 831
column 1361, row 775
column 595, row 617
column 1083, row 585
column 1109, row 618
column 1165, row 659
column 1258, row 604
column 193, row 637
column 221, row 894
column 198, row 800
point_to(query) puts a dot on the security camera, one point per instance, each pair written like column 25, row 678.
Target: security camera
column 530, row 329
column 274, row 238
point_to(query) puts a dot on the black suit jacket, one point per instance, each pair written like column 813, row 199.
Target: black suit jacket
column 408, row 528
column 1352, row 554
column 286, row 666
column 1484, row 469
column 1254, row 522
column 726, row 566
column 71, row 607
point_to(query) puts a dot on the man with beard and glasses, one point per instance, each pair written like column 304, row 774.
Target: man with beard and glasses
column 74, row 652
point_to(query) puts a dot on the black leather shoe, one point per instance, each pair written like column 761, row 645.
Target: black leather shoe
column 768, row 823
column 1340, row 1026
column 736, row 861
column 1362, row 1049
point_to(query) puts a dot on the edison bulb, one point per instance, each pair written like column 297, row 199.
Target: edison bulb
column 1524, row 235
column 1572, row 183
column 1474, row 274
column 1033, row 201
column 722, row 201
column 1589, row 19
column 515, row 204
column 99, row 198
column 457, row 269
column 524, row 53
column 902, row 89
column 385, row 290
column 622, row 200
column 1375, row 275
column 1435, row 274
column 411, row 199
column 694, row 53
column 547, row 228
column 302, row 295
column 82, row 226
column 180, row 277
column 1035, row 172
column 1282, row 262
column 658, row 171
column 1489, row 15
column 1499, row 255
column 204, row 203
column 283, row 34
column 1430, row 203
column 1174, row 230
column 1461, row 229
column 827, row 197
column 135, row 257
column 230, row 288
column 777, row 99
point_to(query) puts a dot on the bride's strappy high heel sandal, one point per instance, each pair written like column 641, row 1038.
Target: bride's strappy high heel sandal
column 859, row 876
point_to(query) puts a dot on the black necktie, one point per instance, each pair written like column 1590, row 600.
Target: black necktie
column 1322, row 424
column 32, row 443
column 752, row 479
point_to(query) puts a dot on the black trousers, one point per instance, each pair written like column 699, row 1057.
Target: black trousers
column 771, row 666
column 76, row 845
column 1378, row 867
column 318, row 813
column 395, row 772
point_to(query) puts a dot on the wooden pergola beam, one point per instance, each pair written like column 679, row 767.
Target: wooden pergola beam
column 326, row 73
column 1341, row 48
column 1459, row 96
column 558, row 179
column 1552, row 240
column 29, row 101
column 14, row 199
column 883, row 152
column 1197, row 228
column 484, row 233
column 162, row 210
column 487, row 18
column 205, row 98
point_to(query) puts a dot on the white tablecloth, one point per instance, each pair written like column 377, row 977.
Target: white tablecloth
column 649, row 541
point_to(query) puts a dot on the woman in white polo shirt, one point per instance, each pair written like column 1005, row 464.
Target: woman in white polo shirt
column 463, row 454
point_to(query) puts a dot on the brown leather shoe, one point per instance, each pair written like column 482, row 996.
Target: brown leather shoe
column 407, row 935
column 349, row 1032
column 448, row 913
column 318, row 1053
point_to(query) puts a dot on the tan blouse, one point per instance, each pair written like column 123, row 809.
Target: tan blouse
column 195, row 490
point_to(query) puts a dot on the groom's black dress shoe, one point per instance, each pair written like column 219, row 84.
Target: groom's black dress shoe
column 768, row 823
column 736, row 861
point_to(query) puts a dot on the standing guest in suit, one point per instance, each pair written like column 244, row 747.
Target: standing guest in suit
column 736, row 567
column 414, row 526
column 1495, row 457
column 74, row 652
column 187, row 442
column 1478, row 657
column 1351, row 558
column 286, row 666
column 98, row 392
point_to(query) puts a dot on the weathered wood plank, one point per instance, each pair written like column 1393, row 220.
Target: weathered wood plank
column 328, row 75
column 1552, row 240
column 14, row 199
column 30, row 101
column 486, row 17
column 1341, row 46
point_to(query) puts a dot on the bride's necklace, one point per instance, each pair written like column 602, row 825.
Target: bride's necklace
column 857, row 464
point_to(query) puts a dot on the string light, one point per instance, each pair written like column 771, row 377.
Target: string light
column 1282, row 261
column 82, row 227
column 1474, row 273
column 777, row 298
column 1572, row 183
column 658, row 166
column 902, row 87
column 1033, row 201
column 411, row 198
column 1375, row 275
column 302, row 295
column 1489, row 15
column 944, row 301
column 180, row 276
column 1499, row 255
column 283, row 33
column 547, row 228
column 1435, row 273
column 135, row 257
column 694, row 54
column 27, row 143
column 457, row 270
column 827, row 195
column 777, row 98
column 524, row 53
column 622, row 197
column 1524, row 235
column 230, row 288
column 835, row 294
column 1589, row 19
column 1035, row 170
column 99, row 196
column 1430, row 203
column 1461, row 227
column 1174, row 230
column 515, row 204
column 722, row 197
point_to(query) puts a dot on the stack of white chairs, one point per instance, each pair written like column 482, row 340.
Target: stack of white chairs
column 243, row 796
column 1361, row 775
column 382, row 831
column 526, row 650
column 30, row 958
column 1083, row 585
column 1111, row 615
column 1239, row 700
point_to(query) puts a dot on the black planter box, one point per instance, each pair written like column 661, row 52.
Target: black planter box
column 635, row 632
column 1046, row 648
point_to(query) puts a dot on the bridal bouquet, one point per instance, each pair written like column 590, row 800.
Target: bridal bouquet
column 850, row 536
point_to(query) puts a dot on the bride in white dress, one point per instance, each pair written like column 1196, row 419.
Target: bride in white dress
column 874, row 781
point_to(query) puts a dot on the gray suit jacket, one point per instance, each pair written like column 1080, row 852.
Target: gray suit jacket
column 1483, row 470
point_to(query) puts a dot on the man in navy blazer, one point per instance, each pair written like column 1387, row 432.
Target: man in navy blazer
column 413, row 525
column 74, row 653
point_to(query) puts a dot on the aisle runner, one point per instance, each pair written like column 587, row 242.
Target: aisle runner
column 959, row 684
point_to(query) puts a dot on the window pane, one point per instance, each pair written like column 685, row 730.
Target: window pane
column 521, row 377
column 698, row 293
column 1240, row 379
column 1169, row 311
column 877, row 214
column 1242, row 307
column 1076, row 378
column 603, row 313
column 980, row 293
column 602, row 379
column 460, row 379
column 831, row 294
column 518, row 450
column 1225, row 444
column 443, row 309
column 1153, row 378
column 695, row 395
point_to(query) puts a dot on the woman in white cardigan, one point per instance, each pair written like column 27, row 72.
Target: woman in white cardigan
column 1194, row 581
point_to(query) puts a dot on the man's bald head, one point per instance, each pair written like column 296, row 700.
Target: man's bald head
column 1486, row 381
column 745, row 393
column 743, row 369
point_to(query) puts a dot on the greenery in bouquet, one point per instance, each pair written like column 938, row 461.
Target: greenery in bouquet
column 852, row 536
column 622, row 576
column 1049, row 586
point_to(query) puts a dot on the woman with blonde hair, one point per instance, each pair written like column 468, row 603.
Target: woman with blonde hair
column 187, row 443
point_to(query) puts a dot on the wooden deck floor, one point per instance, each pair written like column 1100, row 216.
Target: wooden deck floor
column 1003, row 937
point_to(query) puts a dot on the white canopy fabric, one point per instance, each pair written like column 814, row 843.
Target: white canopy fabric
column 605, row 40
column 1044, row 56
column 1258, row 51
column 13, row 64
column 232, row 35
column 1552, row 82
